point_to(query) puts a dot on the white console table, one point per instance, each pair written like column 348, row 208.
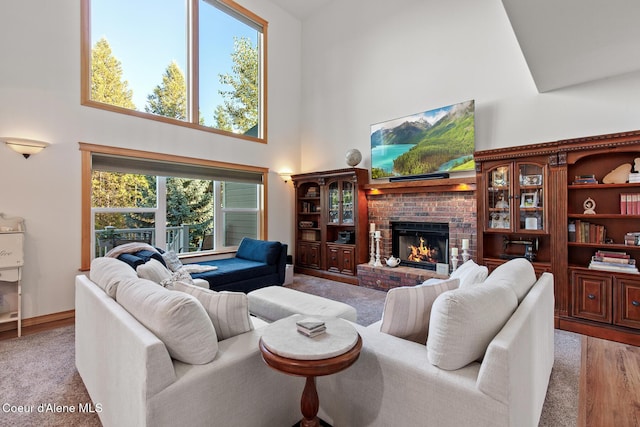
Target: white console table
column 11, row 263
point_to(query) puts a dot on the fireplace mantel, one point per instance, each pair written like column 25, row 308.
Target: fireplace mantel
column 422, row 186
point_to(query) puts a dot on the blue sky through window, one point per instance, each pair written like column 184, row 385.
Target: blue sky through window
column 147, row 35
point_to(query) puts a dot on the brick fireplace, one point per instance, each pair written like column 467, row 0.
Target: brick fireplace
column 452, row 202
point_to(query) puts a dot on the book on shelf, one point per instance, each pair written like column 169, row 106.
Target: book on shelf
column 586, row 232
column 311, row 327
column 630, row 203
column 632, row 239
column 612, row 254
column 312, row 192
column 629, row 269
column 613, row 261
column 585, row 179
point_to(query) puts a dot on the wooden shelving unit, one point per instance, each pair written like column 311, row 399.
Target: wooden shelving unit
column 331, row 223
column 604, row 304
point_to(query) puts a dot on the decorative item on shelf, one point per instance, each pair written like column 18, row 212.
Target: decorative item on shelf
column 619, row 175
column 392, row 261
column 632, row 239
column 372, row 252
column 499, row 177
column 306, row 224
column 589, row 206
column 502, row 203
column 530, row 247
column 634, row 178
column 312, row 192
column 345, row 237
column 353, row 157
column 585, row 179
column 465, row 250
column 454, row 259
column 531, row 180
column 529, row 200
column 378, row 237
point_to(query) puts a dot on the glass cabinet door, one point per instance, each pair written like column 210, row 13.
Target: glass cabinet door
column 347, row 202
column 499, row 198
column 531, row 204
column 334, row 203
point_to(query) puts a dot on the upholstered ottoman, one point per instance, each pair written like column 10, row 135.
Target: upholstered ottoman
column 276, row 302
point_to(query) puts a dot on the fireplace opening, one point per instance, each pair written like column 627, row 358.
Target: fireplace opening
column 420, row 244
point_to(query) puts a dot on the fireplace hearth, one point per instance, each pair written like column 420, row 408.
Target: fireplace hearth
column 420, row 244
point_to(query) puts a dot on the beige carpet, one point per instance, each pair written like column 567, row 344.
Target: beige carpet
column 40, row 369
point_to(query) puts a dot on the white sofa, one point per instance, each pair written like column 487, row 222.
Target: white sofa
column 395, row 383
column 128, row 370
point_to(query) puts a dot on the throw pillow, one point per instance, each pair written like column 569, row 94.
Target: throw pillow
column 518, row 274
column 407, row 309
column 171, row 259
column 464, row 321
column 470, row 273
column 228, row 311
column 107, row 273
column 176, row 318
column 159, row 274
column 259, row 250
column 153, row 270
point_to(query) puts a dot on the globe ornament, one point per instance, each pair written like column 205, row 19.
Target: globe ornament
column 353, row 157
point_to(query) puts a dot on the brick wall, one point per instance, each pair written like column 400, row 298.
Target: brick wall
column 458, row 209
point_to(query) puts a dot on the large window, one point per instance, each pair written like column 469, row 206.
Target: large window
column 197, row 63
column 175, row 203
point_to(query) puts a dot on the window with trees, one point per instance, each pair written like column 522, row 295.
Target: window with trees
column 196, row 63
column 175, row 203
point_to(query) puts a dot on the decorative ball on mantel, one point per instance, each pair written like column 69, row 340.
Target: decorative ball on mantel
column 353, row 157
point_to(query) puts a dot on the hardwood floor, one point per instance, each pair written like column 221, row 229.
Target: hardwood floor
column 609, row 379
column 609, row 384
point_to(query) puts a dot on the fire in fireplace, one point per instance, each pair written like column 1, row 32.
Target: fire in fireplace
column 420, row 244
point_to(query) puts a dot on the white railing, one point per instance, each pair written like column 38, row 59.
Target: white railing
column 177, row 238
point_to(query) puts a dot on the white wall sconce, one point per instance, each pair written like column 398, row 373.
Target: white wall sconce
column 26, row 147
column 286, row 176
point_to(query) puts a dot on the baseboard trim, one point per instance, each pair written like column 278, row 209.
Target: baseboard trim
column 39, row 320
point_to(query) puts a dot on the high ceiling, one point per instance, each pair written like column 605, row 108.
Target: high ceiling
column 565, row 42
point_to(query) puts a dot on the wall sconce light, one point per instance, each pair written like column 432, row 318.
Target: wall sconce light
column 286, row 176
column 26, row 147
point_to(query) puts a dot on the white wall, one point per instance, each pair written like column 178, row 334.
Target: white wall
column 368, row 61
column 40, row 99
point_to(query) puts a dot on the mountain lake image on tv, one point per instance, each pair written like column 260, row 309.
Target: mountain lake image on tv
column 431, row 142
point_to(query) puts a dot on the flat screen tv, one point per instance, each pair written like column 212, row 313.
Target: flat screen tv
column 432, row 142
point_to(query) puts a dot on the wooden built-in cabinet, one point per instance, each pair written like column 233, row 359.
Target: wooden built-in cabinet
column 331, row 223
column 605, row 304
column 513, row 212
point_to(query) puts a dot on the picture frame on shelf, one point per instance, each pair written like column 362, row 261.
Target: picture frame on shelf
column 526, row 180
column 499, row 177
column 529, row 200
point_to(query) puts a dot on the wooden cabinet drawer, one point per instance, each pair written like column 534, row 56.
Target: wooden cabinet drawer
column 10, row 275
column 627, row 311
column 591, row 296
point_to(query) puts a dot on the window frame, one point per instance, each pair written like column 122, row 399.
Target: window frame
column 88, row 150
column 193, row 80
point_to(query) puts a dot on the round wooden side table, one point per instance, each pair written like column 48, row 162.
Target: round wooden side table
column 286, row 350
